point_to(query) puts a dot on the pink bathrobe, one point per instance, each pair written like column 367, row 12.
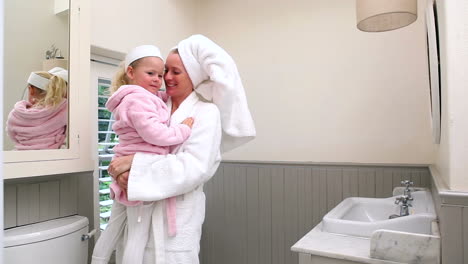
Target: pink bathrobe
column 142, row 124
column 33, row 128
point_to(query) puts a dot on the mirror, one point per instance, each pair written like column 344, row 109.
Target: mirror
column 36, row 39
column 74, row 43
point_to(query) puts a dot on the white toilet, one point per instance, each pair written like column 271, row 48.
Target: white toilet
column 55, row 241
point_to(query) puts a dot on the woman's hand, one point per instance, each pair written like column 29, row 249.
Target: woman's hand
column 120, row 165
column 122, row 181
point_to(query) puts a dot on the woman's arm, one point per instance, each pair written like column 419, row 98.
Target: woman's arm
column 156, row 177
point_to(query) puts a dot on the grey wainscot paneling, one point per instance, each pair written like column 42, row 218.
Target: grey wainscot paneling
column 452, row 209
column 37, row 199
column 256, row 212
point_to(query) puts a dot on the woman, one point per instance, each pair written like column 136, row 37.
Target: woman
column 197, row 68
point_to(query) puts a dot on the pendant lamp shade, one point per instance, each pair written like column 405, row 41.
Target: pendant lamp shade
column 385, row 15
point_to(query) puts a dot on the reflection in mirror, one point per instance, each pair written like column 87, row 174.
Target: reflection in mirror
column 36, row 44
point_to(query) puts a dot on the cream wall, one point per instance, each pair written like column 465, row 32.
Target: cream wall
column 119, row 25
column 319, row 89
column 452, row 155
column 31, row 27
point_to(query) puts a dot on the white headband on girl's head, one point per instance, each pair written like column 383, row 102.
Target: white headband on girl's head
column 38, row 81
column 141, row 52
column 41, row 82
column 60, row 72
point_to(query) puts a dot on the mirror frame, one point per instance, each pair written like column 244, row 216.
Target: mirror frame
column 78, row 156
column 434, row 69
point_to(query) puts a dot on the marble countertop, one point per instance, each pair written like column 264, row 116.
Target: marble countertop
column 337, row 246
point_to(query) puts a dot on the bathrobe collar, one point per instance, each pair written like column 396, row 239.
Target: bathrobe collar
column 185, row 108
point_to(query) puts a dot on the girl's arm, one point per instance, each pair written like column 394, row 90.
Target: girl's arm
column 10, row 127
column 147, row 116
column 155, row 177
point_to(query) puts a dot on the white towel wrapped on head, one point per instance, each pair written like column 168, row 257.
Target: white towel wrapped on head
column 215, row 76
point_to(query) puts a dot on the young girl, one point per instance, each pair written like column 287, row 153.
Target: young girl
column 41, row 121
column 141, row 122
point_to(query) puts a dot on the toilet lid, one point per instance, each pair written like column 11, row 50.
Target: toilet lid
column 42, row 231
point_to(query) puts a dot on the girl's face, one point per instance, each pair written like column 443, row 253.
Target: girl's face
column 147, row 72
column 178, row 83
column 32, row 94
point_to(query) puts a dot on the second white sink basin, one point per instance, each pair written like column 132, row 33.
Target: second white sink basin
column 362, row 216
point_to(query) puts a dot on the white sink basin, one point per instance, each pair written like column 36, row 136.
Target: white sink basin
column 362, row 216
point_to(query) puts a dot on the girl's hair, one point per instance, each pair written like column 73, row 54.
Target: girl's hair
column 121, row 77
column 55, row 91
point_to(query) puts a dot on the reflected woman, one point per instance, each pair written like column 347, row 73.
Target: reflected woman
column 41, row 121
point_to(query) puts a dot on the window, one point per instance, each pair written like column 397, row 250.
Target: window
column 102, row 70
column 106, row 141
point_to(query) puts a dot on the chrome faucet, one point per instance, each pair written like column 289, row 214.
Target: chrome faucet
column 404, row 207
column 407, row 190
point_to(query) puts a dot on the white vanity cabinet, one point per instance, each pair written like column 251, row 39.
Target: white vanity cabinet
column 78, row 154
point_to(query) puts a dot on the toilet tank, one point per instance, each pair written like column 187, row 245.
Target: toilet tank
column 55, row 241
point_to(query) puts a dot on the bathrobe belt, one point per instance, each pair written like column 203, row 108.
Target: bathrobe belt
column 157, row 227
column 157, row 222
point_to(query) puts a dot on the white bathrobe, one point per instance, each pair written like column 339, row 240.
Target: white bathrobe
column 181, row 174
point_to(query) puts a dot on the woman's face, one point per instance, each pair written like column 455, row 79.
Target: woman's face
column 178, row 83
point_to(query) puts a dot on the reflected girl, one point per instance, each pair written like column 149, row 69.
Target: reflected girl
column 41, row 121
